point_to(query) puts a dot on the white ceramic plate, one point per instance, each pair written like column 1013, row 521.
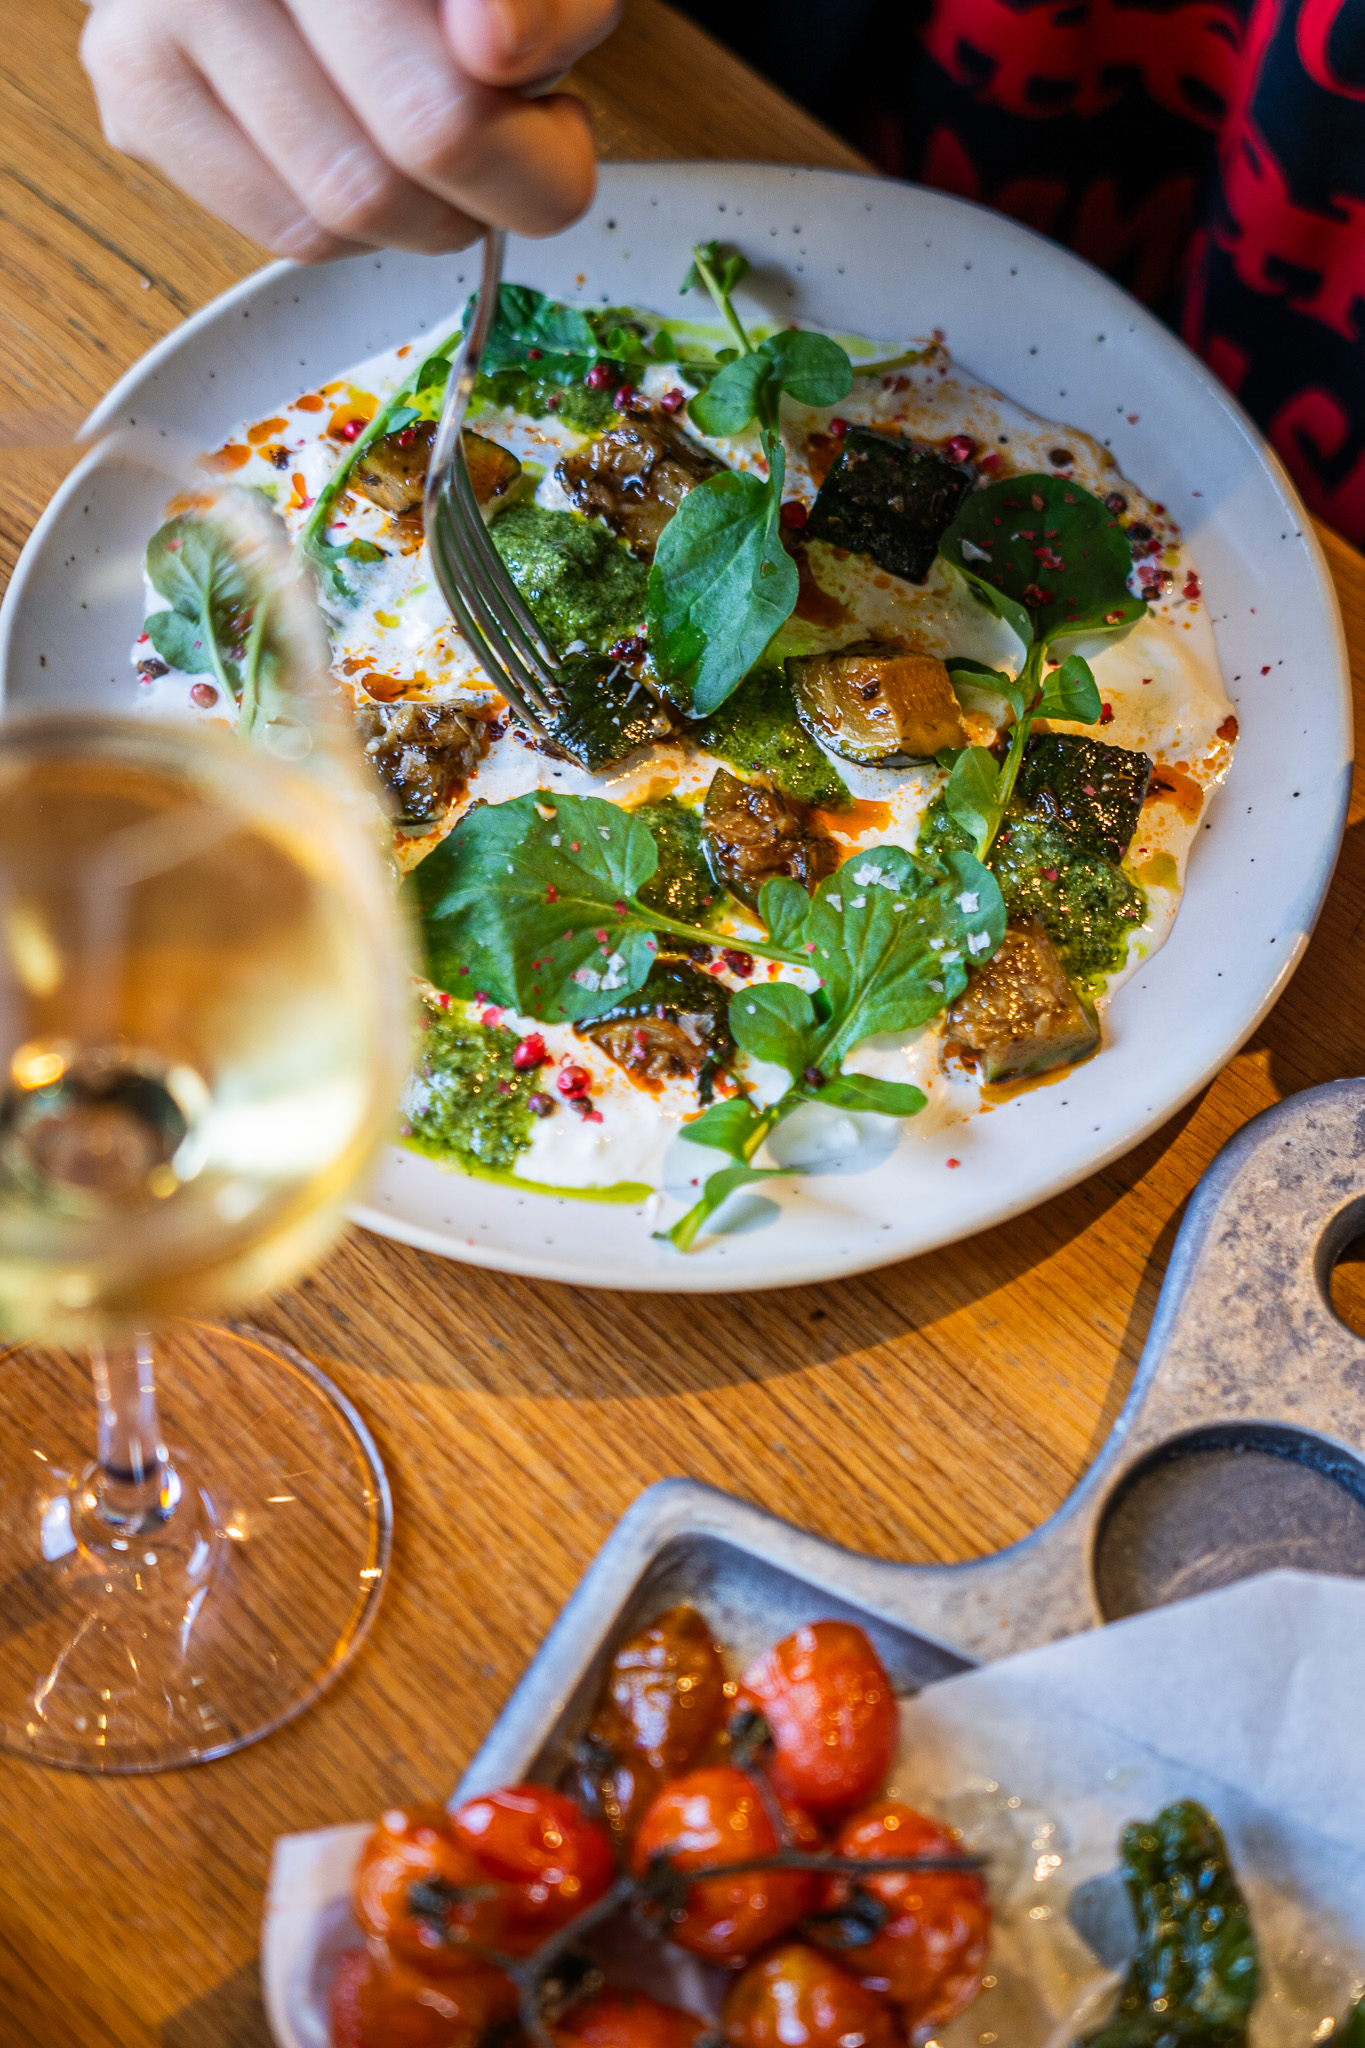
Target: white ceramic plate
column 865, row 256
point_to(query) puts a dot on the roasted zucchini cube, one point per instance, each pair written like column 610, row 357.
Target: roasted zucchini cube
column 889, row 498
column 393, row 470
column 423, row 753
column 875, row 704
column 635, row 476
column 1092, row 791
column 602, row 711
column 1020, row 1014
column 754, row 832
column 674, row 1025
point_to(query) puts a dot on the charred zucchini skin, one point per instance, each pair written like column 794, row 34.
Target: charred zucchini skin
column 1094, row 792
column 676, row 989
column 603, row 712
column 682, row 885
column 891, row 499
column 1020, row 1015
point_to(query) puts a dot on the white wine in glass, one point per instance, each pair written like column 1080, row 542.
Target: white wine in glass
column 202, row 1034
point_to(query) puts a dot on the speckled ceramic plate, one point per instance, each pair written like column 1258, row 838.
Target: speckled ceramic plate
column 865, row 256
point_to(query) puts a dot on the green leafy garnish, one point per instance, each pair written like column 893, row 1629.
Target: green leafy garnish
column 542, row 907
column 192, row 562
column 542, row 904
column 891, row 937
column 1051, row 560
column 1195, row 1972
column 722, row 581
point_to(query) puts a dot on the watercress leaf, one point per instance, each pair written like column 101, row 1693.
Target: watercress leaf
column 973, row 681
column 865, row 1093
column 893, row 936
column 180, row 642
column 784, row 906
column 810, row 368
column 731, row 399
column 726, row 1125
column 718, row 1187
column 540, row 911
column 1071, row 692
column 1048, row 550
column 191, row 561
column 971, row 795
column 562, row 338
column 721, row 585
column 776, row 1022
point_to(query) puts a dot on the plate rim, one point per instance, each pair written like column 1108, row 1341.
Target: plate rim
column 699, row 1275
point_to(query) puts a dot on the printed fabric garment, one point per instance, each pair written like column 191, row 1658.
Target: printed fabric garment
column 1209, row 154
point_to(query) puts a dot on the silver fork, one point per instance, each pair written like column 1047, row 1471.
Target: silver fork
column 487, row 606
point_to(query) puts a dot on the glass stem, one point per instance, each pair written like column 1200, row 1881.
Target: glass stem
column 136, row 1488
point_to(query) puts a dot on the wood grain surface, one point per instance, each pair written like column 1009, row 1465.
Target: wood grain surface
column 933, row 1410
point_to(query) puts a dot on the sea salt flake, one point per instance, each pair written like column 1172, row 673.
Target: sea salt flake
column 978, row 942
column 968, row 902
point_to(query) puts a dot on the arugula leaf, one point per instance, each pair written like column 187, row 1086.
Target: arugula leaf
column 191, row 561
column 1047, row 555
column 720, row 586
column 541, row 906
column 866, row 1095
column 1071, row 692
column 972, row 795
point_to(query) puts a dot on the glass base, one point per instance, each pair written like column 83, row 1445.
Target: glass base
column 212, row 1626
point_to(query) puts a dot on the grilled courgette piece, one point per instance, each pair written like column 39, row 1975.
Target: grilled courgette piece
column 889, row 498
column 1020, row 1014
column 1093, row 792
column 754, row 832
column 677, row 1024
column 877, row 705
column 392, row 472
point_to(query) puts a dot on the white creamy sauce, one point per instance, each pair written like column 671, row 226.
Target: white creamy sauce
column 1160, row 682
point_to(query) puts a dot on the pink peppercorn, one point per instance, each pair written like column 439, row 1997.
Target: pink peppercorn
column 624, row 398
column 203, row 694
column 530, row 1054
column 351, row 430
column 838, row 428
column 960, row 448
column 738, row 963
column 540, row 1105
column 794, row 515
column 1106, row 714
column 674, row 400
column 598, row 377
column 574, row 1082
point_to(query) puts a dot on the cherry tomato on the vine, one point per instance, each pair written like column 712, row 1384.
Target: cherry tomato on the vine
column 627, row 2019
column 798, row 1998
column 550, row 1859
column 406, row 1892
column 929, row 1954
column 717, row 1816
column 667, row 1684
column 379, row 2004
column 828, row 1702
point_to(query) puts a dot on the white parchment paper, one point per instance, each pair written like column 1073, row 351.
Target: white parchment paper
column 1251, row 1700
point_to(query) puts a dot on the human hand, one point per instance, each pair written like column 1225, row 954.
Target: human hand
column 320, row 127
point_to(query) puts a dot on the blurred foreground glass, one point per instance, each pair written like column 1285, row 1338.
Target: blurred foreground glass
column 202, row 1035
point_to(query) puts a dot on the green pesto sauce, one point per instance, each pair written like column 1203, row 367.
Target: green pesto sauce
column 682, row 885
column 455, row 1104
column 758, row 729
column 579, row 582
column 1086, row 906
column 535, row 396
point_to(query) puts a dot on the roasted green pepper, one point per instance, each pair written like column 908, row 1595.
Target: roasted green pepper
column 1195, row 1972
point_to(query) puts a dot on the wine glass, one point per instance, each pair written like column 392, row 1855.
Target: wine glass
column 203, row 1029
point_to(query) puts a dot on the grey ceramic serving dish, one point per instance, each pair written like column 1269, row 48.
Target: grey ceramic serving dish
column 1240, row 1448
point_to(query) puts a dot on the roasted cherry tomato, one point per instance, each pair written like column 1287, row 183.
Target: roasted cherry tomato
column 717, row 1816
column 551, row 1859
column 928, row 1954
column 627, row 2019
column 829, row 1705
column 798, row 1998
column 667, row 1685
column 379, row 2004
column 406, row 1892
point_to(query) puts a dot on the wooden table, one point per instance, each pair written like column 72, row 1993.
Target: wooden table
column 933, row 1410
